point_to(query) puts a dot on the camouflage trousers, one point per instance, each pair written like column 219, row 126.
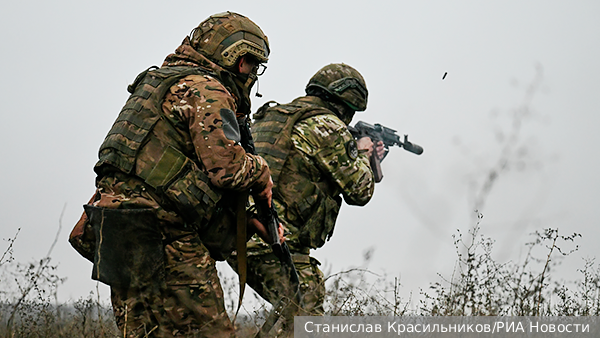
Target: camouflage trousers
column 191, row 305
column 264, row 275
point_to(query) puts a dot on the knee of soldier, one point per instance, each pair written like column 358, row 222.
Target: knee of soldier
column 308, row 271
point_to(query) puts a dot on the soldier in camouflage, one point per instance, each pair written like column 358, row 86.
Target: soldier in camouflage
column 314, row 161
column 170, row 173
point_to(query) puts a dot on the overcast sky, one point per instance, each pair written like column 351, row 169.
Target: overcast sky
column 66, row 66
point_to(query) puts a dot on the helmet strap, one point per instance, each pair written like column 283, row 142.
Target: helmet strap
column 337, row 106
column 244, row 83
column 342, row 111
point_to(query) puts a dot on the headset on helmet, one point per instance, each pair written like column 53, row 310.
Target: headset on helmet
column 342, row 82
column 225, row 37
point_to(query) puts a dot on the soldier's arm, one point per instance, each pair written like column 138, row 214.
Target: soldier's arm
column 226, row 163
column 326, row 139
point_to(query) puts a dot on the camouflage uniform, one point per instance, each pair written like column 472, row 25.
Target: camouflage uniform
column 173, row 150
column 311, row 168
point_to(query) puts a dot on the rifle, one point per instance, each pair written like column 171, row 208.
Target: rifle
column 269, row 218
column 389, row 137
column 286, row 306
column 267, row 215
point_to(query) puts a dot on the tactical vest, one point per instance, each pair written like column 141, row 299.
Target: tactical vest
column 175, row 177
column 272, row 131
column 316, row 207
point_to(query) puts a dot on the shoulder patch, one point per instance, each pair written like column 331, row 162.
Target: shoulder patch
column 231, row 129
column 352, row 149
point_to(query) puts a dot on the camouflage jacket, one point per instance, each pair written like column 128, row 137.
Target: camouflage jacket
column 187, row 138
column 314, row 159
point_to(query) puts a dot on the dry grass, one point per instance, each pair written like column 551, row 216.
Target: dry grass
column 479, row 286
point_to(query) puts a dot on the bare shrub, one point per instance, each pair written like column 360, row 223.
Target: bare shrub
column 480, row 286
column 29, row 306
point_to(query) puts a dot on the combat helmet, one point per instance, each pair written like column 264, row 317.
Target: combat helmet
column 224, row 38
column 343, row 82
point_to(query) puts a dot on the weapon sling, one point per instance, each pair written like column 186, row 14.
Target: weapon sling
column 242, row 260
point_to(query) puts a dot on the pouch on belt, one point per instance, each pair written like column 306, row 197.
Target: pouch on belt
column 129, row 248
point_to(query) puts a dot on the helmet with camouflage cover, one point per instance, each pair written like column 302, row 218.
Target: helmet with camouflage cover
column 343, row 82
column 224, row 38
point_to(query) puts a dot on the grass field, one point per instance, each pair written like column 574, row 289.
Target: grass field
column 479, row 286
